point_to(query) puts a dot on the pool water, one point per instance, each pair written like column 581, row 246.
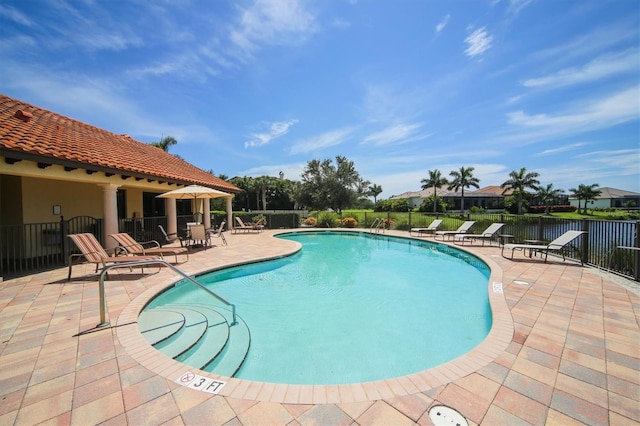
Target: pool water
column 354, row 307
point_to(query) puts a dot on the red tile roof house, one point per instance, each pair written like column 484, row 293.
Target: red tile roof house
column 52, row 165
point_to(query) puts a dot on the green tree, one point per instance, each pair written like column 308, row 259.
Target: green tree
column 586, row 193
column 374, row 191
column 246, row 184
column 165, row 143
column 462, row 179
column 435, row 181
column 546, row 194
column 518, row 182
column 325, row 185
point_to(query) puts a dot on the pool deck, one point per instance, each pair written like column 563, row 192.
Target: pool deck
column 564, row 349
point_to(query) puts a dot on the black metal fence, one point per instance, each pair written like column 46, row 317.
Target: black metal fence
column 609, row 244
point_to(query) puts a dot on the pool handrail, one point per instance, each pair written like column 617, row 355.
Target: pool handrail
column 377, row 223
column 103, row 274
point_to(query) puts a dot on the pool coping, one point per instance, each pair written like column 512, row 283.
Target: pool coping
column 487, row 351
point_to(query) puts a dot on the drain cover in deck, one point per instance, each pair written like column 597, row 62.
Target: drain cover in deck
column 441, row 415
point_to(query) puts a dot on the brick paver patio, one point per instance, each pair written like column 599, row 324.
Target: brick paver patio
column 564, row 349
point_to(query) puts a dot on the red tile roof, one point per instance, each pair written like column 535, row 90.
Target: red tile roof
column 32, row 133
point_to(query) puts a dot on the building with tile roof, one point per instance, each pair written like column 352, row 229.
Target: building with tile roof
column 52, row 165
column 609, row 198
column 490, row 197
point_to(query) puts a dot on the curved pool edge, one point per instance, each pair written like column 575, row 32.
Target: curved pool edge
column 487, row 351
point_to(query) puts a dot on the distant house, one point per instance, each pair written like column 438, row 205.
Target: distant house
column 489, row 197
column 608, row 198
column 52, row 165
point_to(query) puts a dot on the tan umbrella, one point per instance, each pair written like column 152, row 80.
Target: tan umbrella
column 195, row 192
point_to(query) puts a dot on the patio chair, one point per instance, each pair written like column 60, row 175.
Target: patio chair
column 463, row 229
column 198, row 235
column 93, row 252
column 241, row 226
column 488, row 234
column 559, row 244
column 219, row 233
column 431, row 229
column 172, row 237
column 131, row 246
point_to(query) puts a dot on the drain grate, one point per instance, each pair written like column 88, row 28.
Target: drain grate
column 441, row 415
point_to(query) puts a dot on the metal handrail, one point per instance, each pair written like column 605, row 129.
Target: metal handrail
column 103, row 274
column 376, row 224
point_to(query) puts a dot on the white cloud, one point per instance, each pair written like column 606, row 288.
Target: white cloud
column 443, row 23
column 15, row 15
column 272, row 22
column 603, row 113
column 478, row 42
column 559, row 149
column 602, row 67
column 332, row 138
column 276, row 129
column 400, row 133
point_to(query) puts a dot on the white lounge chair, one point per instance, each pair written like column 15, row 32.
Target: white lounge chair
column 488, row 234
column 558, row 244
column 433, row 227
column 463, row 229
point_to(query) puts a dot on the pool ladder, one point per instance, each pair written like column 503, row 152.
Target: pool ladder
column 377, row 225
column 158, row 262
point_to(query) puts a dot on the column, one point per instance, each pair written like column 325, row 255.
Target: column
column 229, row 213
column 206, row 207
column 172, row 215
column 110, row 214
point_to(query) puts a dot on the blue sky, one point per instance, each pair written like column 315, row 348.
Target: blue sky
column 252, row 88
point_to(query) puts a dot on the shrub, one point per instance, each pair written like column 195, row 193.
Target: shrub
column 311, row 221
column 327, row 220
column 552, row 209
column 349, row 222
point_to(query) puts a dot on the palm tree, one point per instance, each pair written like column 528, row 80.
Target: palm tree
column 578, row 193
column 518, row 182
column 547, row 193
column 462, row 179
column 586, row 193
column 434, row 181
column 374, row 191
column 165, row 143
column 591, row 192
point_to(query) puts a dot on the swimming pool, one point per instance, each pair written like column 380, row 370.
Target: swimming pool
column 353, row 307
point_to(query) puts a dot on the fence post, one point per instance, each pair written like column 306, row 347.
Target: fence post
column 64, row 231
column 636, row 253
column 540, row 235
column 584, row 250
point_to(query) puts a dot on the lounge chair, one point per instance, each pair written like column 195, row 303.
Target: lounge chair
column 463, row 229
column 488, row 234
column 241, row 226
column 219, row 233
column 172, row 237
column 431, row 229
column 558, row 244
column 131, row 246
column 198, row 235
column 93, row 252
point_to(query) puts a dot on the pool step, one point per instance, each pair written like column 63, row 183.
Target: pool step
column 195, row 326
column 199, row 335
column 159, row 324
column 212, row 342
column 234, row 353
